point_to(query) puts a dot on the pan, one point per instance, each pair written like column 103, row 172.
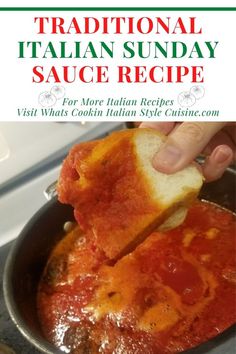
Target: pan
column 31, row 250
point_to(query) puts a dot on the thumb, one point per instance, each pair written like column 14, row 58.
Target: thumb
column 184, row 144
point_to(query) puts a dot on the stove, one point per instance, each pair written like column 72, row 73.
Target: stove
column 30, row 158
column 33, row 156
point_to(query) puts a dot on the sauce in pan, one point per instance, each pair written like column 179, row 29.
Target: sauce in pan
column 175, row 291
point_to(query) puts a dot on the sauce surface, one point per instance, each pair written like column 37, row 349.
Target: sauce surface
column 173, row 292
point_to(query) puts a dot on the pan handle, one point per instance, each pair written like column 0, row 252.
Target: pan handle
column 51, row 191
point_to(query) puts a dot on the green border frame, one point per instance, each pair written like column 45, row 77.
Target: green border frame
column 117, row 8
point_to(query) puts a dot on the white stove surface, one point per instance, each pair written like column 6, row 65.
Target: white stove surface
column 32, row 144
column 25, row 145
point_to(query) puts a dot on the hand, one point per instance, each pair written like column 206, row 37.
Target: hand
column 216, row 140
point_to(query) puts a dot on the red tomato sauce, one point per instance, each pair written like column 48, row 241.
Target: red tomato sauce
column 103, row 192
column 173, row 292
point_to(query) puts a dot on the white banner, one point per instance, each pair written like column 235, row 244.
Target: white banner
column 121, row 65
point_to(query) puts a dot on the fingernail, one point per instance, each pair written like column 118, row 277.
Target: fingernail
column 147, row 125
column 167, row 157
column 222, row 155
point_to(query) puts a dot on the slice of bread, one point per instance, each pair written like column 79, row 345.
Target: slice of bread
column 121, row 197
